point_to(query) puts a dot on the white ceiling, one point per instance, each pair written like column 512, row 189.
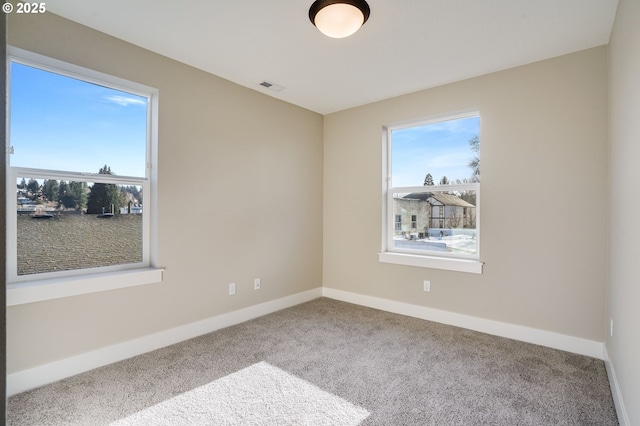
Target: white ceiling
column 407, row 45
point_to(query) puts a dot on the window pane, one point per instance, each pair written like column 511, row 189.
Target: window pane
column 62, row 123
column 445, row 221
column 54, row 232
column 437, row 153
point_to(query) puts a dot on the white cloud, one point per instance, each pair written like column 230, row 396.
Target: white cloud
column 124, row 100
column 453, row 159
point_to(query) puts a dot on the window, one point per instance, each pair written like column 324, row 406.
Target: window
column 432, row 175
column 398, row 222
column 82, row 150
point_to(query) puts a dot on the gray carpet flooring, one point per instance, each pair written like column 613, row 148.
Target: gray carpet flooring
column 402, row 370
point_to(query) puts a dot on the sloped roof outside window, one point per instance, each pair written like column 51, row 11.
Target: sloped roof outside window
column 443, row 199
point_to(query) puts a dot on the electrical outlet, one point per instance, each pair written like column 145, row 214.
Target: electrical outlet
column 232, row 289
column 256, row 284
column 426, row 285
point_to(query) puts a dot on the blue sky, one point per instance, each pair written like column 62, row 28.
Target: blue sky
column 60, row 123
column 441, row 149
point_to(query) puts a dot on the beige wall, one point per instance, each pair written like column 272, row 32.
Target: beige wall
column 623, row 290
column 543, row 154
column 241, row 158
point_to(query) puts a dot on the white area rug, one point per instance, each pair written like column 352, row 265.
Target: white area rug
column 257, row 395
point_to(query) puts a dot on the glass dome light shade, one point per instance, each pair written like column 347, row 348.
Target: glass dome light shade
column 339, row 19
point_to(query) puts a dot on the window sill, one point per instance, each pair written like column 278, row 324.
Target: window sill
column 449, row 264
column 41, row 290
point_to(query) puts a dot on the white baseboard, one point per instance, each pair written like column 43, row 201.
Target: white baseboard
column 516, row 332
column 37, row 376
column 621, row 410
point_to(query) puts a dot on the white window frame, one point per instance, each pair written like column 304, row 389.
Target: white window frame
column 52, row 285
column 435, row 260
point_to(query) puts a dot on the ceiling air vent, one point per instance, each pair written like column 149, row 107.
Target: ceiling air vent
column 272, row 86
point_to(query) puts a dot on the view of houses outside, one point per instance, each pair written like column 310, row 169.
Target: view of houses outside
column 434, row 221
column 56, row 233
column 439, row 216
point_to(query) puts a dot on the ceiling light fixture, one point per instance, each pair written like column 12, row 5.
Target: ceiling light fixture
column 339, row 18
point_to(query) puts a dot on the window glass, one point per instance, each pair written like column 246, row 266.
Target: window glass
column 441, row 221
column 79, row 158
column 54, row 232
column 436, row 153
column 63, row 123
column 433, row 190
